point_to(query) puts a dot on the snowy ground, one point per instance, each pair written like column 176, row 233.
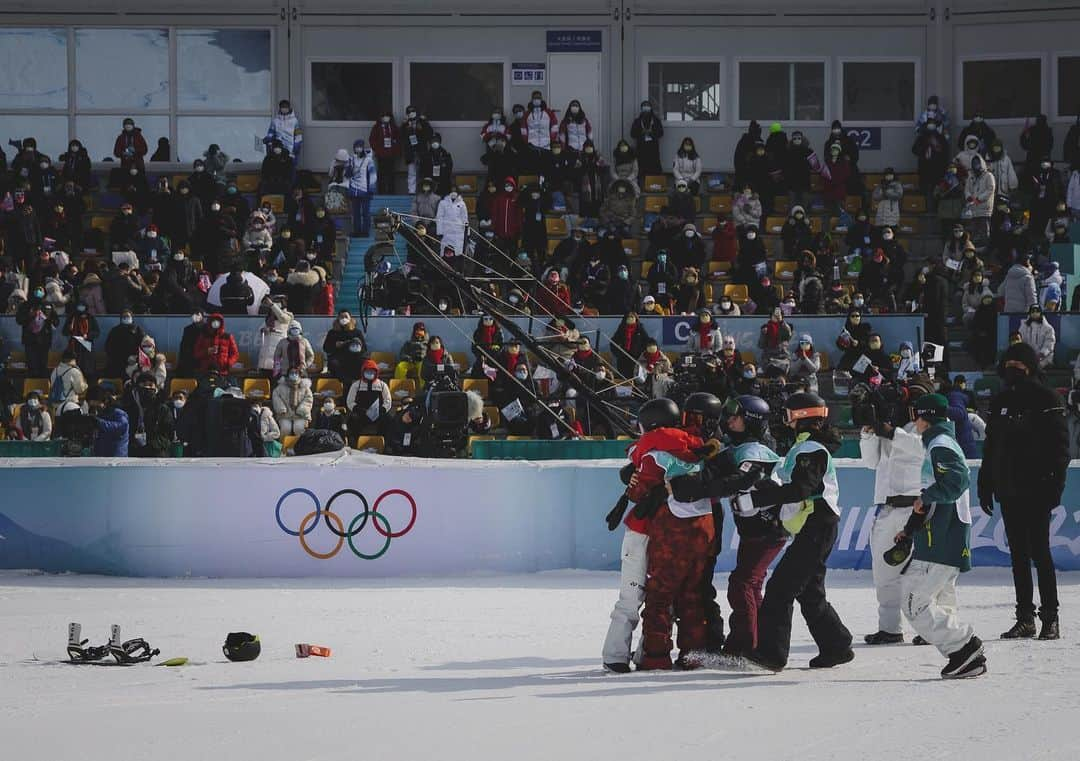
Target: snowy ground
column 495, row 668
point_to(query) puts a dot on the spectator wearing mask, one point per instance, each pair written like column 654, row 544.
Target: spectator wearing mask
column 1001, row 168
column 1038, row 140
column 362, row 177
column 689, row 295
column 575, row 129
column 495, row 126
column 33, row 423
column 123, row 341
column 805, row 364
column 688, row 165
column 257, row 236
column 979, row 190
column 368, row 401
column 592, row 177
column 839, row 177
column 910, row 363
column 1045, row 191
column 853, row 339
column 293, row 401
column 487, row 341
column 323, row 235
column 746, row 211
column 285, row 128
column 147, row 360
column 848, row 147
column 774, row 337
column 1018, row 288
column 215, row 349
column 82, row 330
column 268, row 429
column 619, row 209
column 506, row 215
column 437, row 361
column 130, row 147
column 1039, row 334
column 972, row 296
column 627, row 344
column 272, row 332
column 499, row 159
column 542, row 129
column 202, row 183
column 621, row 293
column 760, row 176
column 887, row 195
column 302, row 285
column 703, row 336
column 744, row 150
column 148, row 431
column 552, row 295
column 932, row 150
column 624, row 166
column 75, row 166
column 980, row 130
column 681, row 204
column 796, row 162
column 67, row 382
column 687, row 250
column 796, row 233
column 277, row 170
column 342, row 360
column 236, row 295
column 329, row 418
column 972, row 147
column 293, row 352
column 185, row 357
column 646, row 131
column 385, row 142
column 725, row 240
column 153, row 252
column 452, row 221
column 933, row 113
column 111, row 437
column 416, row 135
column 438, row 164
column 750, row 264
column 411, row 355
column 299, row 212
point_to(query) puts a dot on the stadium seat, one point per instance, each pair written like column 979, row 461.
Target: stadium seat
column 527, row 179
column 719, row 204
column 466, row 183
column 825, row 361
column 785, row 270
column 288, row 443
column 493, row 415
column 521, row 438
column 907, row 226
column 556, row 226
column 781, row 204
column 189, row 384
column 329, row 386
column 256, row 388
column 371, row 444
column 552, row 244
column 474, row 439
column 276, row 202
column 470, row 203
column 386, row 361
column 400, row 388
column 653, row 204
column 101, row 223
column 247, row 183
column 479, row 385
column 719, row 268
column 632, row 248
column 748, row 357
column 36, row 384
column 738, row 293
column 645, row 267
column 54, row 359
column 655, row 183
column 914, row 204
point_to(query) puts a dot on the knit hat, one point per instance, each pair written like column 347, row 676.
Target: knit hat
column 775, row 127
column 931, row 407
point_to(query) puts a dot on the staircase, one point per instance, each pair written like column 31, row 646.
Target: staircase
column 353, row 275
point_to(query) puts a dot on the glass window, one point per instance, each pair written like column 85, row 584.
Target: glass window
column 51, row 132
column 1068, row 86
column 456, row 91
column 773, row 91
column 223, row 69
column 122, row 68
column 99, row 133
column 879, row 91
column 1006, row 89
column 33, row 68
column 351, row 91
column 686, row 91
column 240, row 137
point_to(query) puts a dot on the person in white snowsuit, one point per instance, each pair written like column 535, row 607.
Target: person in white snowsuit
column 285, row 127
column 451, row 220
column 272, row 333
column 293, row 400
column 964, row 157
column 1037, row 333
column 1001, row 167
column 896, row 456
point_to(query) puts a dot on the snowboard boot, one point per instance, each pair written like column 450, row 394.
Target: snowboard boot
column 919, row 641
column 691, row 661
column 655, row 663
column 1022, row 629
column 1050, row 630
column 966, row 662
column 714, row 629
column 762, row 662
column 828, row 660
column 883, row 638
column 617, row 668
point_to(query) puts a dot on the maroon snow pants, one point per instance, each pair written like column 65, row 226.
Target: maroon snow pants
column 678, row 553
column 744, row 590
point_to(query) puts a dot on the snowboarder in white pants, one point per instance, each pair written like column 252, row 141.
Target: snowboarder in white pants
column 627, row 611
column 896, row 455
column 938, row 535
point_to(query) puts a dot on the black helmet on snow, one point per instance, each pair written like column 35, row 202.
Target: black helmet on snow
column 659, row 413
column 241, row 646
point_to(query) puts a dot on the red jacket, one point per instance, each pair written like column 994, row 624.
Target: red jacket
column 385, row 140
column 674, row 441
column 724, row 242
column 553, row 299
column 836, row 186
column 323, row 303
column 226, row 354
column 133, row 140
column 506, row 213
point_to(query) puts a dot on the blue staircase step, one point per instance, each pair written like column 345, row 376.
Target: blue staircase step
column 353, row 271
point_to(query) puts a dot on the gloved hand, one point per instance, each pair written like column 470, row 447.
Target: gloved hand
column 709, row 449
column 884, row 430
column 625, row 472
column 614, row 518
column 651, row 502
column 688, row 488
column 742, row 504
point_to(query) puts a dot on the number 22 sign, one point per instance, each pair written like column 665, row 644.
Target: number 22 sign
column 866, row 138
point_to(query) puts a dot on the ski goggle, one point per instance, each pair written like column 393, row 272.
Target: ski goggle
column 790, row 416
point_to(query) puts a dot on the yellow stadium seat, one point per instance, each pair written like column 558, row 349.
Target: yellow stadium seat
column 853, row 203
column 479, row 385
column 719, row 204
column 186, row 385
column 816, row 225
column 781, row 204
column 54, row 359
column 400, row 388
column 785, row 270
column 493, row 415
column 256, row 388
column 914, row 204
column 645, row 267
column 556, row 226
column 521, row 438
column 873, row 179
column 748, row 357
column 288, row 443
column 41, row 385
column 386, row 361
column 774, row 224
column 470, row 203
column 909, row 181
column 329, row 387
column 241, row 364
column 276, row 202
column 656, row 183
column 719, row 268
column 552, row 244
column 907, row 225
column 817, row 183
column 466, row 183
column 101, row 223
column 653, row 204
column 738, row 293
column 527, row 179
column 824, row 357
column 371, row 443
column 632, row 248
column 247, row 183
column 473, row 439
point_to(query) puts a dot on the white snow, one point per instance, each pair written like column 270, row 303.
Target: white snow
column 496, row 668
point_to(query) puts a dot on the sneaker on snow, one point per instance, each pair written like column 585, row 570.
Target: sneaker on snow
column 918, row 641
column 827, row 661
column 962, row 662
column 1050, row 630
column 617, row 668
column 1020, row 630
column 883, row 638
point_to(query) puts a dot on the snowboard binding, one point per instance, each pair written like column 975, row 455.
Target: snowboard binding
column 77, row 650
column 130, row 651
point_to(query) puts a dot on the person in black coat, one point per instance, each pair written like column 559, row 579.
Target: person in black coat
column 1037, row 140
column 185, row 357
column 935, row 304
column 621, row 292
column 345, row 349
column 75, row 166
column 744, row 149
column 121, row 343
column 236, row 295
column 980, row 129
column 796, row 168
column 1025, row 461
column 646, row 131
column 627, row 344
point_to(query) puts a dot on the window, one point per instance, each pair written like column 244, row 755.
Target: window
column 879, row 91
column 456, row 91
column 774, row 91
column 240, row 137
column 1068, row 86
column 33, row 68
column 98, row 133
column 351, row 91
column 686, row 91
column 51, row 132
column 223, row 69
column 1003, row 89
column 124, row 69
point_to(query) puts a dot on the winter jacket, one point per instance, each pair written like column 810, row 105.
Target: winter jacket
column 130, row 148
column 506, row 213
column 215, row 349
column 304, row 356
column 943, row 535
column 542, row 126
column 694, row 342
column 626, row 170
column 897, row 461
column 361, row 174
column 1005, row 180
column 385, row 140
column 301, row 288
column 258, row 239
column 972, row 298
column 805, row 368
column 292, row 401
column 438, row 164
column 574, row 134
column 415, row 136
column 286, row 128
column 618, row 210
column 837, row 183
column 268, row 426
column 686, row 168
column 426, row 206
column 979, row 193
column 271, row 334
column 747, row 211
column 71, row 381
column 111, row 439
column 1018, row 289
column 888, row 197
column 452, row 220
column 1039, row 335
column 90, row 293
column 1072, row 195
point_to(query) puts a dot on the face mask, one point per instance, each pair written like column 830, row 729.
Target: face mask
column 1036, row 317
column 749, row 374
column 151, row 235
column 875, row 345
column 294, row 333
column 725, row 305
column 81, row 308
column 1045, row 165
column 536, row 102
column 426, row 188
column 575, row 110
column 411, row 115
column 286, row 234
column 977, row 280
column 343, row 320
column 215, row 324
column 436, row 145
column 804, row 346
column 796, row 141
column 687, row 147
column 196, row 319
column 887, row 236
column 661, row 258
column 183, row 191
column 835, row 132
column 751, row 235
column 1013, row 375
column 443, row 306
column 689, row 233
column 328, row 408
column 148, row 351
column 178, row 404
column 215, row 207
column 556, row 150
column 518, row 114
column 799, row 216
column 905, row 353
column 977, row 120
column 277, row 151
column 199, row 169
column 858, row 302
column 958, row 234
column 294, row 377
column 126, row 320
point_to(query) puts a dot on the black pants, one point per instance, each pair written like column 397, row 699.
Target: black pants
column 385, row 170
column 800, row 575
column 1027, row 527
column 37, row 360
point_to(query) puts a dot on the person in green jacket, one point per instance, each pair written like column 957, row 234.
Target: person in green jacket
column 938, row 536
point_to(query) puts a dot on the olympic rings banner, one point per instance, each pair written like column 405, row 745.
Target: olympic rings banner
column 360, row 515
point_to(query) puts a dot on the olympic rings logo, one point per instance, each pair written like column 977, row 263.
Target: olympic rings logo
column 337, row 526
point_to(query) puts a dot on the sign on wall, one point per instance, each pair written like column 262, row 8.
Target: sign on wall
column 866, row 138
column 526, row 74
column 573, row 41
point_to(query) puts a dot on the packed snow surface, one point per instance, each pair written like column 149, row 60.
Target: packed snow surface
column 500, row 668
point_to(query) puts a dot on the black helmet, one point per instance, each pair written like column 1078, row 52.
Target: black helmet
column 659, row 413
column 241, row 646
column 705, row 404
column 805, row 405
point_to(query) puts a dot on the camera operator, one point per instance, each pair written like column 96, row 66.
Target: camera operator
column 402, row 432
column 894, row 450
column 517, row 405
column 76, row 428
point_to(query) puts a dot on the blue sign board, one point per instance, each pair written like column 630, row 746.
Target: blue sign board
column 866, row 138
column 573, row 41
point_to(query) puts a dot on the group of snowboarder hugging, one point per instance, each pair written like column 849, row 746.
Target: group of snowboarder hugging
column 689, row 466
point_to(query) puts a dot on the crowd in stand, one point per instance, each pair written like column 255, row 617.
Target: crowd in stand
column 206, row 249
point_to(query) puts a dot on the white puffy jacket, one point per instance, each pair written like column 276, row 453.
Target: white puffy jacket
column 1041, row 337
column 897, row 462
